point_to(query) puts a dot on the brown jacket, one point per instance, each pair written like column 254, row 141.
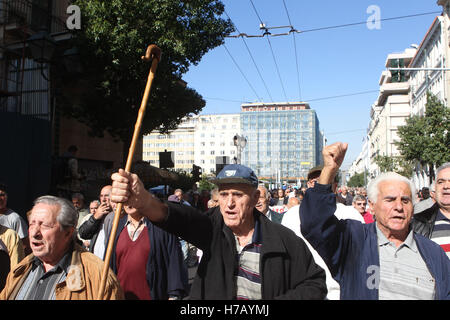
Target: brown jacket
column 82, row 281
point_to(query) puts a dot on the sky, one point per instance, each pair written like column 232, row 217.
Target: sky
column 335, row 70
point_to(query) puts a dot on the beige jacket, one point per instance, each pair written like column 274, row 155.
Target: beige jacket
column 12, row 241
column 82, row 281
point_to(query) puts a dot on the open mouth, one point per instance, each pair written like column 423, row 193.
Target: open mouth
column 37, row 244
column 398, row 218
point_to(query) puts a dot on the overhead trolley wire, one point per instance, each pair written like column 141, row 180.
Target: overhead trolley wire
column 293, row 30
column 253, row 60
column 271, row 50
column 240, row 70
column 295, row 52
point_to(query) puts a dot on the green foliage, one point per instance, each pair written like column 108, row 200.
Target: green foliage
column 426, row 139
column 357, row 180
column 204, row 184
column 395, row 164
column 114, row 36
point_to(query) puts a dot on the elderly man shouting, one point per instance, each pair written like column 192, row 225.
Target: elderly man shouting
column 245, row 255
column 58, row 268
column 382, row 260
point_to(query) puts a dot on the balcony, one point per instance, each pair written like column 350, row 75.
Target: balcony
column 388, row 89
column 22, row 18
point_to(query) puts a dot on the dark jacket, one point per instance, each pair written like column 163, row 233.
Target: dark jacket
column 166, row 272
column 275, row 216
column 287, row 268
column 345, row 201
column 90, row 229
column 350, row 248
column 423, row 222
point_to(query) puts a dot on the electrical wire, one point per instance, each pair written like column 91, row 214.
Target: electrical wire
column 293, row 30
column 253, row 60
column 295, row 52
column 343, row 95
column 240, row 70
column 271, row 50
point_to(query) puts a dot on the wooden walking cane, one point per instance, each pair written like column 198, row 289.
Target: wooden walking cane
column 153, row 53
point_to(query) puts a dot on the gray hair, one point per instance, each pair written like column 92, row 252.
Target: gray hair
column 67, row 215
column 373, row 190
column 215, row 191
column 261, row 186
column 359, row 197
column 442, row 167
column 95, row 201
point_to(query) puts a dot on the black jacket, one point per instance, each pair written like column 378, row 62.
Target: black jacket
column 423, row 222
column 287, row 268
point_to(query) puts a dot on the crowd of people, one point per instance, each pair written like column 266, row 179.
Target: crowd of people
column 319, row 241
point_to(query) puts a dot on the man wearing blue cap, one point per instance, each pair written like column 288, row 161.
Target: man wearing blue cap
column 245, row 255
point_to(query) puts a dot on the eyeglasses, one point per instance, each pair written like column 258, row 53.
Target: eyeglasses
column 2, row 194
column 360, row 203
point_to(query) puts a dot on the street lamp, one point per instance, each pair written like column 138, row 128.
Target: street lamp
column 240, row 142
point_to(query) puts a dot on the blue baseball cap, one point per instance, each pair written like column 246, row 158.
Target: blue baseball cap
column 236, row 173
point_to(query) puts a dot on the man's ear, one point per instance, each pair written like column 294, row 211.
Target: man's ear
column 371, row 206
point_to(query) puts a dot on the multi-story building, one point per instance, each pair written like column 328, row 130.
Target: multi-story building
column 35, row 52
column 179, row 141
column 283, row 140
column 391, row 108
column 214, row 144
column 429, row 75
column 203, row 140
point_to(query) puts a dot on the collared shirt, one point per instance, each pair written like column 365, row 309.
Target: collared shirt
column 40, row 285
column 99, row 245
column 134, row 231
column 441, row 232
column 247, row 277
column 403, row 272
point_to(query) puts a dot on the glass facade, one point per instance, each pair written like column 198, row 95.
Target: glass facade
column 281, row 144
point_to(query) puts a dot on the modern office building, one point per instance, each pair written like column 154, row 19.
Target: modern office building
column 283, row 140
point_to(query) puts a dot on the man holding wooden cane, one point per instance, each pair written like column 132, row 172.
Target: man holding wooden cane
column 245, row 255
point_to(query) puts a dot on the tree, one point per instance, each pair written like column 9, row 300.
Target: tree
column 394, row 163
column 114, row 36
column 204, row 183
column 357, row 180
column 425, row 139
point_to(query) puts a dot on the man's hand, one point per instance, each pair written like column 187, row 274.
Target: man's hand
column 102, row 210
column 128, row 189
column 333, row 156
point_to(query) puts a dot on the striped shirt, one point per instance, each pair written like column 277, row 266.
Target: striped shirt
column 441, row 232
column 40, row 285
column 247, row 275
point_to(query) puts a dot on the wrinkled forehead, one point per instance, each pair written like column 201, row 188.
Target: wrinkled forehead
column 44, row 212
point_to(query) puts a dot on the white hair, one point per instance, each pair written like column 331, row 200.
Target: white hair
column 373, row 190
